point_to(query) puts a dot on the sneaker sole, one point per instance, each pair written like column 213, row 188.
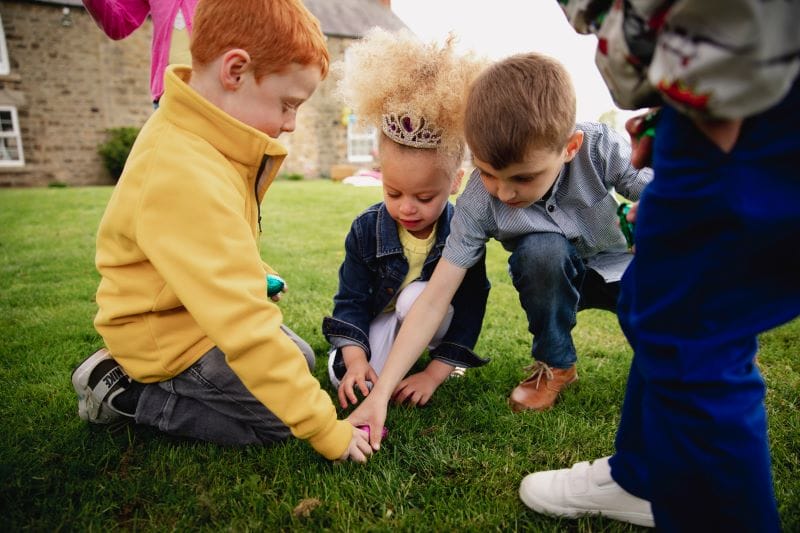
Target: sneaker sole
column 638, row 519
column 80, row 382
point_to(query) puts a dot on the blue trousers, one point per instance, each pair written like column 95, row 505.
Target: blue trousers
column 716, row 264
column 553, row 285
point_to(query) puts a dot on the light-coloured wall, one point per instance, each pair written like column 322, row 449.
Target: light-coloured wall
column 70, row 83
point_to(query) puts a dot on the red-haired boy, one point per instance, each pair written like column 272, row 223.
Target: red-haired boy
column 182, row 304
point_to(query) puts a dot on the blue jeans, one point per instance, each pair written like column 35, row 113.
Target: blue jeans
column 553, row 285
column 716, row 263
column 208, row 402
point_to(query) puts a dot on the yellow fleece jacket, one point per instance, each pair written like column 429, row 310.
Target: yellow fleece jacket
column 177, row 250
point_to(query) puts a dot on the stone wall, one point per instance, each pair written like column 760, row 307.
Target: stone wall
column 70, row 83
column 320, row 140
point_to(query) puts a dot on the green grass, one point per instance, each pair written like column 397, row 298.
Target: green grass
column 455, row 465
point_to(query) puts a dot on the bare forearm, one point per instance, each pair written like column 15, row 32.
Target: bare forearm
column 418, row 329
column 419, row 326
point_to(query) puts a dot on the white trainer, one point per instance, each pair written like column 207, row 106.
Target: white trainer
column 97, row 380
column 584, row 490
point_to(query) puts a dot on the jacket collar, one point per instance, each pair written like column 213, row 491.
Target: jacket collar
column 187, row 109
column 388, row 239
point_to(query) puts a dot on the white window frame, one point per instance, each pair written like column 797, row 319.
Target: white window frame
column 5, row 66
column 357, row 135
column 357, row 138
column 14, row 134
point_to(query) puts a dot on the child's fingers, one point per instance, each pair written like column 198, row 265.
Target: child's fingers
column 634, row 126
column 631, row 216
column 342, row 393
column 364, row 445
column 423, row 399
column 362, row 386
column 358, row 456
column 372, row 375
column 401, row 393
column 415, row 398
column 350, row 393
column 642, row 152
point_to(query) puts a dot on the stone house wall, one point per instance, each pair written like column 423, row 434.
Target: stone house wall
column 70, row 83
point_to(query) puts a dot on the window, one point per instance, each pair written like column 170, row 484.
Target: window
column 362, row 143
column 10, row 139
column 5, row 67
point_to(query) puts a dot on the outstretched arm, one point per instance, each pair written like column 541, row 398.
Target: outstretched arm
column 416, row 332
column 118, row 18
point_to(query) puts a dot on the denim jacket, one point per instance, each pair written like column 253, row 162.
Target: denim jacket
column 371, row 274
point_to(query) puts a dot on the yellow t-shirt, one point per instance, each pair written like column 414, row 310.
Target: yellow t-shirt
column 416, row 251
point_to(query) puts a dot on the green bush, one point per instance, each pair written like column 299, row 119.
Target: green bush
column 115, row 150
column 292, row 176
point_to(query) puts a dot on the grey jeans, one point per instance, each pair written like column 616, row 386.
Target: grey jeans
column 209, row 402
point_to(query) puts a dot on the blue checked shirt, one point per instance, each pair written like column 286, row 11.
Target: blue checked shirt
column 581, row 206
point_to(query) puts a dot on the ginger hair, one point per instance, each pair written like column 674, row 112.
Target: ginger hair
column 394, row 72
column 524, row 102
column 276, row 33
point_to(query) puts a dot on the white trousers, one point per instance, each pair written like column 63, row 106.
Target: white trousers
column 383, row 330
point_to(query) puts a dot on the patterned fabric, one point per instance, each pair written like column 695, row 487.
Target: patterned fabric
column 709, row 58
column 581, row 206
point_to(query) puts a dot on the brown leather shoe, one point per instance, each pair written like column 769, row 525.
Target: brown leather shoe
column 540, row 390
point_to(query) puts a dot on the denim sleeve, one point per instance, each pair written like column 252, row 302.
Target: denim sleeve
column 353, row 302
column 469, row 307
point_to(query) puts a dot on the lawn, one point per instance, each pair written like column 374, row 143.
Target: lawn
column 454, row 465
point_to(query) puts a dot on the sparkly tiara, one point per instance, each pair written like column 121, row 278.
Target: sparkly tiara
column 410, row 131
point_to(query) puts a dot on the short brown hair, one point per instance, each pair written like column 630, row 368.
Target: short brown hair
column 523, row 102
column 275, row 33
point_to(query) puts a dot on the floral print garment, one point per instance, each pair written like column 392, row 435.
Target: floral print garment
column 709, row 58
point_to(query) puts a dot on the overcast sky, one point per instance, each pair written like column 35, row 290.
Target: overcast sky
column 499, row 28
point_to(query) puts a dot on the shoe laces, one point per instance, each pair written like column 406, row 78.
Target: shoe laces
column 539, row 369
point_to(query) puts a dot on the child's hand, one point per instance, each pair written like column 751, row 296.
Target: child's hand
column 275, row 286
column 359, row 371
column 418, row 388
column 372, row 413
column 359, row 449
column 631, row 216
column 277, row 296
column 641, row 128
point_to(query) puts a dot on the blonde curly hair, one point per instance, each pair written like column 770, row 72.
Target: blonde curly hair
column 395, row 73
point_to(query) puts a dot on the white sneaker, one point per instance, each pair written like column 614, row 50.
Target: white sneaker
column 584, row 490
column 97, row 381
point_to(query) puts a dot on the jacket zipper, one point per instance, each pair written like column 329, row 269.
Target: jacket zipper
column 258, row 180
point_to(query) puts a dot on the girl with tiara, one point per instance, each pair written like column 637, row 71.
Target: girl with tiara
column 414, row 93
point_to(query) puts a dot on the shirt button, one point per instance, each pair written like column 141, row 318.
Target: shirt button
column 389, row 290
column 551, row 208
